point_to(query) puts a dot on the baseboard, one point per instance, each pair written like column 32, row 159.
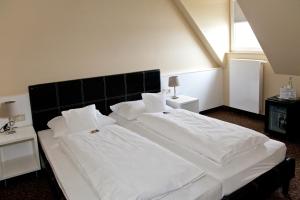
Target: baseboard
column 235, row 110
column 219, row 108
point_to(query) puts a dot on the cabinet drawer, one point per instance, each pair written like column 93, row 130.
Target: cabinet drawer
column 193, row 106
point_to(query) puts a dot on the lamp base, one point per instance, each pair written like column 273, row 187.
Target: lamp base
column 10, row 132
column 174, row 97
column 11, row 128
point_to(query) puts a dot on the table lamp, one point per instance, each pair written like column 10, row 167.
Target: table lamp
column 10, row 111
column 173, row 82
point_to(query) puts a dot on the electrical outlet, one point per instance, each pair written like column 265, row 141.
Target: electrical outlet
column 20, row 118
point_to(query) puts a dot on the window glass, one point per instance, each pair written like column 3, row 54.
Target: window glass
column 243, row 38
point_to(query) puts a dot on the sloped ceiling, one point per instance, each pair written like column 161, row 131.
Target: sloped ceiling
column 277, row 27
column 210, row 21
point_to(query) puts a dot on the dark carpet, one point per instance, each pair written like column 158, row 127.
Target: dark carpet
column 27, row 187
column 30, row 187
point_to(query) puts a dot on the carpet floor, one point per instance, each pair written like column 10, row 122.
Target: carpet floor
column 30, row 187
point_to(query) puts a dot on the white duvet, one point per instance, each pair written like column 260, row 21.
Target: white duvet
column 217, row 140
column 122, row 165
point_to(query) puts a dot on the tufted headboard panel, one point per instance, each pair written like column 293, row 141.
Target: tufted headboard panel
column 49, row 99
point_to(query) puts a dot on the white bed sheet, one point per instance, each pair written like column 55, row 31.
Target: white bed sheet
column 72, row 184
column 233, row 176
column 202, row 134
column 76, row 187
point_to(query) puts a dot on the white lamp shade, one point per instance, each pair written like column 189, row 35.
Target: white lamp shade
column 9, row 108
column 173, row 81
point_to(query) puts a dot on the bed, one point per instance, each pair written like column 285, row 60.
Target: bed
column 241, row 171
column 48, row 100
column 74, row 186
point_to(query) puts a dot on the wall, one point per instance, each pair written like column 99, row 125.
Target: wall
column 213, row 19
column 272, row 81
column 52, row 40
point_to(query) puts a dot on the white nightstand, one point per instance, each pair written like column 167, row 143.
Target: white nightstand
column 19, row 153
column 184, row 102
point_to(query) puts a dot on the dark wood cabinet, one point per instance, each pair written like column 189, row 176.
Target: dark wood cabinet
column 283, row 117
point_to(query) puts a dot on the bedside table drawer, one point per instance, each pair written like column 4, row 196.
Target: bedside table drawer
column 184, row 102
column 173, row 104
column 192, row 106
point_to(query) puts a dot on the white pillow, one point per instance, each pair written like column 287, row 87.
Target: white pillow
column 81, row 119
column 130, row 109
column 154, row 102
column 168, row 108
column 58, row 126
column 103, row 120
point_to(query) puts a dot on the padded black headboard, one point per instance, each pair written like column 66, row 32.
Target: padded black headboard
column 48, row 100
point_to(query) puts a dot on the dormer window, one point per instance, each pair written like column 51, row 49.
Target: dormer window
column 242, row 37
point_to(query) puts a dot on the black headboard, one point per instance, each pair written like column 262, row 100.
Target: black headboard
column 48, row 100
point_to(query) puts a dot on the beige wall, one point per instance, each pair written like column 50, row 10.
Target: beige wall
column 213, row 19
column 272, row 81
column 51, row 40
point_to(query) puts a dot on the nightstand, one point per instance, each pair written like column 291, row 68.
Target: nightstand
column 184, row 102
column 19, row 153
column 282, row 117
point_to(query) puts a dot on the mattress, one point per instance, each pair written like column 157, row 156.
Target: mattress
column 240, row 171
column 75, row 186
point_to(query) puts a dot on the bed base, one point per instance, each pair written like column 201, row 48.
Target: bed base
column 48, row 172
column 259, row 188
column 278, row 177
